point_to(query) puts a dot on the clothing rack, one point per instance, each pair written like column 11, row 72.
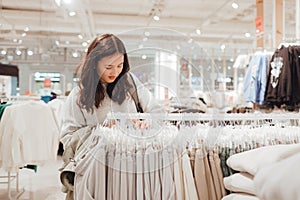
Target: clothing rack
column 167, row 145
column 23, row 98
column 10, row 178
column 204, row 117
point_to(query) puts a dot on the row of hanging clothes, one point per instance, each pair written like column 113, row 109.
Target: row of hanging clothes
column 284, row 77
column 272, row 77
column 181, row 157
column 29, row 137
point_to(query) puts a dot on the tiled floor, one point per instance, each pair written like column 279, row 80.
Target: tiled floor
column 42, row 185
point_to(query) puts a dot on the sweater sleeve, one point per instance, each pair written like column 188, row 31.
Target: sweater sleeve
column 73, row 117
column 147, row 101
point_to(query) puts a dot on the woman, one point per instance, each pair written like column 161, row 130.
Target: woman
column 104, row 87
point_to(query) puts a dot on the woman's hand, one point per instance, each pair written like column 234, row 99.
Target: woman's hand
column 140, row 124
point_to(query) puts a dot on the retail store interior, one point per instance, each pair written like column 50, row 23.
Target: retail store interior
column 222, row 64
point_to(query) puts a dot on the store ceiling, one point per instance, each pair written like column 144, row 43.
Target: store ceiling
column 52, row 30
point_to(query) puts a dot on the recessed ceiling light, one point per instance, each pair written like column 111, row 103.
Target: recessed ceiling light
column 75, row 54
column 235, row 5
column 84, row 44
column 72, row 13
column 3, row 52
column 247, row 35
column 26, row 29
column 198, row 31
column 156, row 18
column 29, row 52
column 144, row 57
column 23, row 34
column 18, row 52
column 80, row 36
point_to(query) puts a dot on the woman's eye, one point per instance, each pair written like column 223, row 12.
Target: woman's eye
column 120, row 66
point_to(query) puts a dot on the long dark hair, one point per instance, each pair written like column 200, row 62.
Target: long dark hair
column 91, row 90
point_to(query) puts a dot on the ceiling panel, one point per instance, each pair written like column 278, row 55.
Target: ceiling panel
column 51, row 28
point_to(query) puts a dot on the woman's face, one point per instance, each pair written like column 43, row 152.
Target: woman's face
column 110, row 67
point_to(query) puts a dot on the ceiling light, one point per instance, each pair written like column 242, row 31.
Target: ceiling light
column 222, row 46
column 29, row 52
column 80, row 36
column 145, row 39
column 84, row 44
column 247, row 35
column 198, row 31
column 23, row 34
column 156, row 17
column 18, row 52
column 190, row 40
column 26, row 29
column 57, row 42
column 72, row 13
column 3, row 52
column 15, row 40
column 144, row 57
column 235, row 5
column 75, row 54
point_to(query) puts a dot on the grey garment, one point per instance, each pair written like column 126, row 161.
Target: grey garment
column 90, row 179
column 78, row 145
column 214, row 173
column 117, row 174
column 140, row 174
column 168, row 186
column 219, row 172
column 131, row 175
column 123, row 177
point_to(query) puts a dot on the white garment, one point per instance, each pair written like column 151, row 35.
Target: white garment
column 168, row 187
column 251, row 161
column 240, row 182
column 178, row 181
column 188, row 179
column 57, row 106
column 28, row 135
column 240, row 196
column 76, row 117
column 279, row 181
